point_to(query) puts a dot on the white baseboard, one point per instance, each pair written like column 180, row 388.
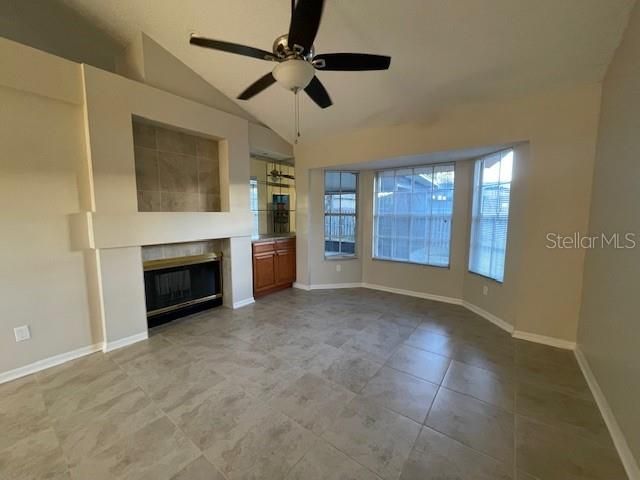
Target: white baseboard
column 335, row 286
column 243, row 303
column 412, row 293
column 620, row 442
column 123, row 342
column 382, row 288
column 48, row 363
column 506, row 326
column 550, row 341
column 531, row 337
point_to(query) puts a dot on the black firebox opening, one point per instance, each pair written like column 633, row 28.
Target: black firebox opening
column 175, row 291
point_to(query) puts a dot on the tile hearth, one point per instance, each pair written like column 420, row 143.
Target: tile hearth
column 342, row 384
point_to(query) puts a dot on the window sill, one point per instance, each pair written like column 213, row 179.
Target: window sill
column 341, row 257
column 407, row 262
column 485, row 277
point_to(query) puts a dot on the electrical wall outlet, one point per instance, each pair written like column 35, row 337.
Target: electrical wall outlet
column 485, row 290
column 22, row 333
column 338, row 268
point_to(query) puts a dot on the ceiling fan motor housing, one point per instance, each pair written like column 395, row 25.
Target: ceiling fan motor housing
column 294, row 74
column 281, row 49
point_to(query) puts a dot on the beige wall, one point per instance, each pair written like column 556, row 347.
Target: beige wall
column 71, row 257
column 560, row 127
column 609, row 333
column 42, row 283
column 56, row 28
column 144, row 60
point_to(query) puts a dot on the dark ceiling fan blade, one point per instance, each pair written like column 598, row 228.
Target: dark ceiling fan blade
column 232, row 48
column 318, row 93
column 305, row 22
column 257, row 86
column 351, row 61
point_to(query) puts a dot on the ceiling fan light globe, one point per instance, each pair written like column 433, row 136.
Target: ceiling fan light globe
column 294, row 74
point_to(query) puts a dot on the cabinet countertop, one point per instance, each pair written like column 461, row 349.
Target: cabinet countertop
column 272, row 236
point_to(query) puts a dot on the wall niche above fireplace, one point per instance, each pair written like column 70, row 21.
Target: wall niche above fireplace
column 176, row 171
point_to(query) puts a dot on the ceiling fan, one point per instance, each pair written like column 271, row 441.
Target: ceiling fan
column 295, row 56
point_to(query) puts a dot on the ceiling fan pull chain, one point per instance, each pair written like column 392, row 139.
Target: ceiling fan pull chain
column 297, row 115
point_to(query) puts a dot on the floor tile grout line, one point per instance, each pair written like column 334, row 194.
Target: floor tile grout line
column 355, row 460
column 502, row 462
column 411, row 375
column 426, row 417
column 484, row 402
column 452, row 358
column 568, row 429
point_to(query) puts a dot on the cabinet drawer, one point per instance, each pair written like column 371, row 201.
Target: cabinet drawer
column 263, row 247
column 289, row 243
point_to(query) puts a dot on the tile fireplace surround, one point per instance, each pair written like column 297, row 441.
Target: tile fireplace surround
column 175, row 171
column 112, row 231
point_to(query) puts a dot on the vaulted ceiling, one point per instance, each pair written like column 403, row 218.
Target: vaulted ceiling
column 444, row 52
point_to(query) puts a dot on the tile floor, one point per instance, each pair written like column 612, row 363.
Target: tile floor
column 343, row 384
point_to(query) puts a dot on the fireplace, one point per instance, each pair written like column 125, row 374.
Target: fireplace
column 175, row 287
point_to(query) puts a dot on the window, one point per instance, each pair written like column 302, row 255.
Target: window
column 340, row 206
column 412, row 214
column 490, row 214
column 253, row 205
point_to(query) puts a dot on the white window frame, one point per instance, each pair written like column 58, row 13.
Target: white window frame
column 374, row 235
column 475, row 209
column 254, row 206
column 341, row 256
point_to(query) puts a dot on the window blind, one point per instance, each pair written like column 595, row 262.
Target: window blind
column 490, row 214
column 412, row 214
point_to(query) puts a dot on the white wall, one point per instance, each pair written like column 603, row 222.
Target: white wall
column 554, row 192
column 609, row 333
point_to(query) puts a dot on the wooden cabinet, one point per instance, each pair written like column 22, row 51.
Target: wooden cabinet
column 274, row 265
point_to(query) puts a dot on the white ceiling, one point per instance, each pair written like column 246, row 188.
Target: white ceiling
column 444, row 52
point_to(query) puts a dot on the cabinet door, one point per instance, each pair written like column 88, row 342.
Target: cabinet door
column 264, row 271
column 286, row 268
